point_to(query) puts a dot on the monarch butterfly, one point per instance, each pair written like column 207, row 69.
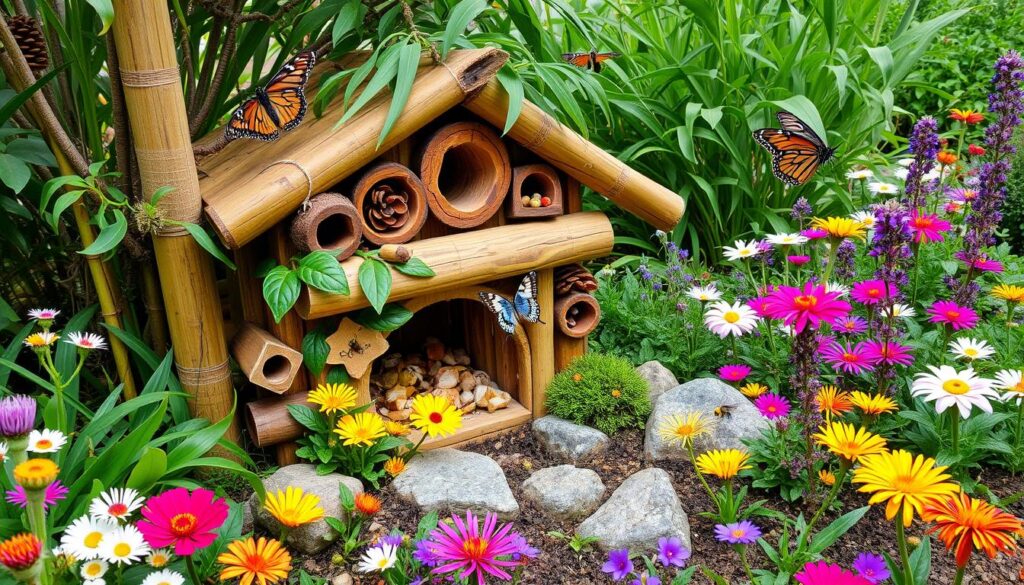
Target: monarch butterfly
column 524, row 305
column 278, row 106
column 797, row 150
column 591, row 60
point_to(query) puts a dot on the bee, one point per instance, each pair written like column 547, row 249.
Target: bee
column 725, row 410
column 354, row 348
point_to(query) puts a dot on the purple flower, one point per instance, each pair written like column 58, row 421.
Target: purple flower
column 618, row 564
column 801, row 209
column 743, row 532
column 671, row 552
column 924, row 145
column 425, row 553
column 17, row 415
column 646, row 579
column 525, row 550
column 871, row 567
column 55, row 492
column 394, row 540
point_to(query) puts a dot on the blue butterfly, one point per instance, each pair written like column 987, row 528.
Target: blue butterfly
column 524, row 305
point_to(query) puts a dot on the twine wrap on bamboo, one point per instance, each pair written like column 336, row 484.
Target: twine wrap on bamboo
column 245, row 200
column 330, row 223
column 399, row 179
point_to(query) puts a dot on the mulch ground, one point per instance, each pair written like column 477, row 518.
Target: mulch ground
column 519, row 455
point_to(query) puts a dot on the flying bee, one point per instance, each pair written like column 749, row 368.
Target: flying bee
column 725, row 410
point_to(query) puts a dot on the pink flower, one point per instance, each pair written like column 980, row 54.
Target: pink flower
column 822, row 573
column 760, row 306
column 468, row 548
column 872, row 292
column 848, row 358
column 927, row 227
column 807, row 307
column 982, row 264
column 887, row 352
column 772, row 406
column 55, row 492
column 952, row 314
column 798, row 260
column 733, row 372
column 814, row 233
column 851, row 325
column 187, row 521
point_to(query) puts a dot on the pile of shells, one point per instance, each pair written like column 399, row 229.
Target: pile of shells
column 439, row 371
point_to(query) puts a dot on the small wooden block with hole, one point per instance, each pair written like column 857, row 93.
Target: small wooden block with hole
column 536, row 192
column 265, row 360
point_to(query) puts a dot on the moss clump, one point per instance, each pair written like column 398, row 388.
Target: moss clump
column 601, row 391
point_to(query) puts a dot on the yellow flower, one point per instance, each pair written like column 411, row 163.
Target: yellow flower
column 872, row 404
column 435, row 415
column 41, row 339
column 723, row 463
column 394, row 466
column 362, row 429
column 840, row 227
column 753, row 389
column 683, row 429
column 827, row 477
column 396, row 429
column 333, row 397
column 906, row 483
column 616, row 393
column 1009, row 292
column 294, row 508
column 850, row 443
column 36, row 474
column 263, row 560
column 833, row 401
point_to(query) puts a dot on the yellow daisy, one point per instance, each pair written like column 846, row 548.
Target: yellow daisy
column 723, row 463
column 904, row 482
column 872, row 404
column 684, row 428
column 293, row 507
column 41, row 339
column 840, row 227
column 363, row 428
column 1009, row 292
column 753, row 389
column 332, row 398
column 394, row 466
column 849, row 443
column 435, row 415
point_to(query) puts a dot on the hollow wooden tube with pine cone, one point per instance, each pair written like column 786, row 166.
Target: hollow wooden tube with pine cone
column 392, row 203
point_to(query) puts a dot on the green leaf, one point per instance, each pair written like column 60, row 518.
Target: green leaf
column 308, row 418
column 348, row 501
column 338, row 375
column 150, row 468
column 685, row 576
column 12, row 105
column 836, row 529
column 375, row 280
column 513, row 84
column 109, row 237
column 408, row 63
column 921, row 561
column 206, row 242
column 322, row 271
column 415, row 267
column 387, row 67
column 351, row 13
column 315, row 350
column 281, row 289
column 393, row 316
column 105, row 9
column 63, row 202
column 459, row 18
column 199, row 443
column 32, row 150
column 14, row 172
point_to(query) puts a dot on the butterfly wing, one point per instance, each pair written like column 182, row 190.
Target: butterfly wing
column 526, row 299
column 602, row 57
column 285, row 90
column 790, row 123
column 502, row 309
column 794, row 158
column 577, row 59
column 251, row 120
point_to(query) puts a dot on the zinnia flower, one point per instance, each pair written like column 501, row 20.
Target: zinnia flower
column 904, row 482
column 975, row 150
column 293, row 507
column 188, row 521
column 733, row 372
column 887, row 352
column 20, row 551
column 753, row 389
column 362, row 428
column 928, row 227
column 822, row 573
column 872, row 292
column 723, row 463
column 872, row 404
column 871, row 566
column 704, row 293
column 948, row 387
column 946, row 157
column 848, row 442
column 806, row 307
column 814, row 233
column 798, row 260
column 964, row 523
column 467, row 549
column 840, row 227
column 832, row 400
column 847, row 357
column 86, row 340
column 966, row 116
column 333, row 398
column 743, row 532
column 264, row 560
column 724, row 319
column 772, row 406
column 618, row 565
column 55, row 492
column 367, row 503
column 684, row 428
column 741, row 250
column 971, row 349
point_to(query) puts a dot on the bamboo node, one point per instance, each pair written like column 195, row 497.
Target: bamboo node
column 192, row 377
column 305, row 173
column 150, row 77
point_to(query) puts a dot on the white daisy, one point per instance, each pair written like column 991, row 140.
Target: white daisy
column 971, row 349
column 86, row 340
column 377, row 558
column 1011, row 382
column 838, row 288
column 46, row 441
column 948, row 387
column 93, row 569
column 931, row 175
column 3, row 452
column 704, row 293
column 866, row 218
column 125, row 545
column 159, row 558
column 858, row 174
column 116, row 503
column 43, row 314
column 83, row 538
column 164, row 578
column 883, row 188
column 902, row 174
column 741, row 250
column 724, row 319
column 903, row 311
column 905, row 162
column 94, row 582
column 786, row 239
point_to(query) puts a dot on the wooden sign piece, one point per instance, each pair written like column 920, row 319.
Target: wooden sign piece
column 355, row 347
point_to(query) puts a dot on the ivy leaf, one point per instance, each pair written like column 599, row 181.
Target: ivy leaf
column 315, row 350
column 321, row 271
column 392, row 317
column 415, row 267
column 109, row 237
column 375, row 280
column 281, row 289
column 206, row 242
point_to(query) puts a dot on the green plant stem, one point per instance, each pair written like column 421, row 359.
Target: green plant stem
column 844, row 466
column 954, row 429
column 916, row 247
column 959, row 578
column 700, row 476
column 901, row 539
column 1020, row 419
column 192, row 573
column 833, row 251
column 284, row 534
column 36, row 514
column 742, row 549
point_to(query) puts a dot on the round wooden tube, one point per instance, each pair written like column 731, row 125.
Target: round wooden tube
column 466, row 170
column 330, row 223
column 475, row 257
column 582, row 160
column 269, row 421
column 586, row 319
column 400, row 179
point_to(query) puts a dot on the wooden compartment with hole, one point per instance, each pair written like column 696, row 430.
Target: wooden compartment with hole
column 534, row 182
column 265, row 360
column 331, row 223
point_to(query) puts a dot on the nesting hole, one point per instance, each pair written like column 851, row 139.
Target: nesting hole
column 467, row 176
column 277, row 369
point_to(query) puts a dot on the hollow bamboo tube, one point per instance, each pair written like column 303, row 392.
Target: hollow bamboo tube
column 567, row 150
column 245, row 200
column 475, row 257
column 400, row 179
column 149, row 74
column 542, row 341
column 330, row 223
column 265, row 360
column 587, row 317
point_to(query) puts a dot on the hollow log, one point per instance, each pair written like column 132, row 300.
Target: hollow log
column 529, row 182
column 466, row 170
column 269, row 421
column 476, row 257
column 577, row 314
column 399, row 179
column 575, row 155
column 245, row 200
column 330, row 223
column 265, row 360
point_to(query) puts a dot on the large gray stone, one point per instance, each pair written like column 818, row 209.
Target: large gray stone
column 450, row 480
column 568, row 441
column 565, row 491
column 659, row 379
column 703, row 395
column 316, row 536
column 642, row 510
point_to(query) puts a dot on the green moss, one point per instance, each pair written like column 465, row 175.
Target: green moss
column 601, row 391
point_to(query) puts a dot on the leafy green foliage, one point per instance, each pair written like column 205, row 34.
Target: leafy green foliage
column 771, row 454
column 602, row 391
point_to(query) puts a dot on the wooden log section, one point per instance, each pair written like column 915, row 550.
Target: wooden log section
column 570, row 152
column 584, row 321
column 265, row 360
column 244, row 199
column 400, row 180
column 567, row 349
column 530, row 180
column 331, row 223
column 475, row 257
column 542, row 341
column 466, row 170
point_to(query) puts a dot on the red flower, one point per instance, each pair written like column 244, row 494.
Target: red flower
column 20, row 551
column 187, row 521
column 966, row 116
column 946, row 157
column 975, row 150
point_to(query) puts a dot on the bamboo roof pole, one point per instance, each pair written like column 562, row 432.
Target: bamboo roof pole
column 160, row 133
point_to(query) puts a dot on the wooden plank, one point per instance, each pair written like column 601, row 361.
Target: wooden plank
column 478, row 424
column 542, row 340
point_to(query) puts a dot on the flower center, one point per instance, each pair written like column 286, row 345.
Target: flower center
column 737, row 533
column 183, row 524
column 117, row 509
column 924, row 222
column 158, row 561
column 805, row 302
column 122, row 549
column 731, row 317
column 684, row 430
column 92, row 540
column 44, row 444
column 874, row 292
column 94, row 569
column 474, row 547
column 903, row 483
column 771, row 408
column 382, row 562
column 255, row 563
column 849, row 357
column 436, row 418
column 956, row 386
column 971, row 352
column 1019, row 387
column 951, row 314
column 850, row 325
column 746, row 252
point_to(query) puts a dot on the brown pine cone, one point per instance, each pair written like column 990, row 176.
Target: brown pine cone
column 388, row 210
column 31, row 41
column 574, row 277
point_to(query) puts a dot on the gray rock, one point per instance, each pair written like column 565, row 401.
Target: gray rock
column 568, row 441
column 642, row 510
column 342, row 579
column 454, row 481
column 316, row 536
column 564, row 491
column 703, row 395
column 659, row 379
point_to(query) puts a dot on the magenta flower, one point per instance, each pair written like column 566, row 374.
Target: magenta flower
column 798, row 260
column 733, row 372
column 814, row 233
column 806, row 307
column 822, row 573
column 188, row 521
column 671, row 552
column 618, row 565
column 927, row 227
column 872, row 292
column 772, row 406
column 760, row 306
column 848, row 357
column 474, row 550
column 55, row 492
column 887, row 352
column 871, row 567
column 743, row 532
column 951, row 314
column 851, row 325
column 982, row 264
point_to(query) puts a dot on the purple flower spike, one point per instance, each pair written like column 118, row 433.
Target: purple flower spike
column 744, row 532
column 924, row 145
column 618, row 565
column 672, row 553
column 17, row 416
column 871, row 567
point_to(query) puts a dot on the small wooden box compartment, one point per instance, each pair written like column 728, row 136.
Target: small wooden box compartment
column 530, row 179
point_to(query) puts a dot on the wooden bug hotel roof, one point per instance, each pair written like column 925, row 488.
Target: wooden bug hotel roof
column 250, row 186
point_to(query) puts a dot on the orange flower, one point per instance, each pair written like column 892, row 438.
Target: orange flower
column 20, row 551
column 946, row 158
column 965, row 523
column 367, row 504
column 833, row 400
column 966, row 116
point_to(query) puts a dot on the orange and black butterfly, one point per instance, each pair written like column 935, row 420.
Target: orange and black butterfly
column 278, row 106
column 591, row 60
column 797, row 151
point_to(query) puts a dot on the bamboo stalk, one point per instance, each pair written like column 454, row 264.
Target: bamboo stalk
column 581, row 159
column 157, row 319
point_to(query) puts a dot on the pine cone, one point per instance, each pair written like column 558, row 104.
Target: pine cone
column 31, row 41
column 574, row 277
column 388, row 210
